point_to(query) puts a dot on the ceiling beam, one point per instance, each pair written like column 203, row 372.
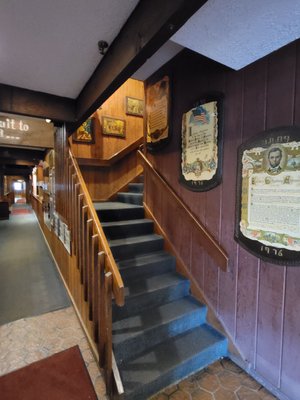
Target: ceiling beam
column 150, row 25
column 20, row 101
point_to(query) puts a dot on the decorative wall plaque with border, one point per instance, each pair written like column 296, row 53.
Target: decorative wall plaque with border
column 158, row 113
column 201, row 145
column 268, row 196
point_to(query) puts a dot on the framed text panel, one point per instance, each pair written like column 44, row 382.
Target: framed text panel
column 268, row 196
column 201, row 144
column 158, row 113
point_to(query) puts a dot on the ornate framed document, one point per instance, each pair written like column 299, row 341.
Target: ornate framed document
column 268, row 196
column 201, row 157
column 158, row 113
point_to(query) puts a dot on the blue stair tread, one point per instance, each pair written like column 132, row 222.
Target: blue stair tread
column 144, row 259
column 136, row 187
column 135, row 325
column 127, row 222
column 114, row 205
column 133, row 194
column 171, row 360
column 154, row 283
column 134, row 240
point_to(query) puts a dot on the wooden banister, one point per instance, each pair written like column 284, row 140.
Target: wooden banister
column 97, row 162
column 210, row 244
column 118, row 286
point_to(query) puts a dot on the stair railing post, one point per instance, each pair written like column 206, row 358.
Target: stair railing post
column 108, row 331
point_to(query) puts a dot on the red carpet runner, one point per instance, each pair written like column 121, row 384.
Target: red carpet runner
column 62, row 376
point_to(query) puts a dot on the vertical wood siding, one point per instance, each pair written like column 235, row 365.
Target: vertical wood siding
column 258, row 302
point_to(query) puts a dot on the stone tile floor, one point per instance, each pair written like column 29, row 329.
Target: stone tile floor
column 28, row 340
column 223, row 380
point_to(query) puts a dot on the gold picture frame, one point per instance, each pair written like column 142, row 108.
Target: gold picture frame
column 134, row 106
column 112, row 126
column 85, row 133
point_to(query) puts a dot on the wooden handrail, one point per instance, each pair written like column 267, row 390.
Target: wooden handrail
column 118, row 285
column 107, row 162
column 212, row 247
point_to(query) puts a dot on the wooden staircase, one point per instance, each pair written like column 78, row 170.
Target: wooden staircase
column 160, row 335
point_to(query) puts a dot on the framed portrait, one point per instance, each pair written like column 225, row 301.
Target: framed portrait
column 134, row 106
column 268, row 196
column 113, row 126
column 85, row 133
column 201, row 144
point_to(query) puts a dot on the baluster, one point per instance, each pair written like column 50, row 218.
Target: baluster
column 101, row 307
column 83, row 252
column 108, row 331
column 95, row 283
column 90, row 277
column 79, row 230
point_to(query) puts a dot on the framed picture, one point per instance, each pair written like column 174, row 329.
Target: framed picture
column 158, row 112
column 268, row 196
column 113, row 126
column 85, row 133
column 201, row 143
column 134, row 106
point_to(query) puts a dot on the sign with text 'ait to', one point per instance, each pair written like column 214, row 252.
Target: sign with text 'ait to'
column 22, row 131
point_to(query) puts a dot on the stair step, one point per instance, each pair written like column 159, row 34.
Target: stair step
column 118, row 211
column 133, row 335
column 129, row 246
column 171, row 361
column 136, row 187
column 130, row 198
column 150, row 292
column 133, row 227
column 146, row 265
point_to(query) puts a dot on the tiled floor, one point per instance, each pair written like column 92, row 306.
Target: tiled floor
column 223, row 380
column 30, row 339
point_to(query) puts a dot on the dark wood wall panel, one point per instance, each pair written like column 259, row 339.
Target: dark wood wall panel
column 254, row 104
column 280, row 98
column 257, row 302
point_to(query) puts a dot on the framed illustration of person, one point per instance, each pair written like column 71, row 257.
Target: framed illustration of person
column 268, row 196
column 201, row 144
column 85, row 133
column 158, row 113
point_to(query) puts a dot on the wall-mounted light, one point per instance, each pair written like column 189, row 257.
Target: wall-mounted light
column 48, row 120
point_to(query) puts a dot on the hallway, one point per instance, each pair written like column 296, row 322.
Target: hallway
column 37, row 319
column 29, row 281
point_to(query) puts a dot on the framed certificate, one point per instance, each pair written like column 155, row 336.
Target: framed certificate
column 201, row 144
column 268, row 196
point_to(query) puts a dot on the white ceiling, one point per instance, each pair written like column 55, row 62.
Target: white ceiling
column 238, row 32
column 51, row 45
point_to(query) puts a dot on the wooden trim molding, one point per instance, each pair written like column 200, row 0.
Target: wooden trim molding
column 108, row 162
column 216, row 252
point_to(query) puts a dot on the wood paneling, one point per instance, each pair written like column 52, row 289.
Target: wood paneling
column 106, row 146
column 105, row 182
column 257, row 302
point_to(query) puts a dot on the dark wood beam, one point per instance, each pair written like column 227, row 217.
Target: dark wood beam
column 20, row 101
column 9, row 155
column 150, row 25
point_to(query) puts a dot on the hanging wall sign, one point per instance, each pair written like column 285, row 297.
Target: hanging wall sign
column 158, row 113
column 201, row 157
column 25, row 131
column 268, row 196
